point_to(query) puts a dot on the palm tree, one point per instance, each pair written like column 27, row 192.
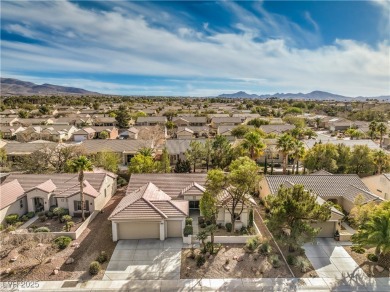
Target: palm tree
column 298, row 152
column 318, row 121
column 253, row 143
column 382, row 129
column 376, row 233
column 381, row 160
column 285, row 143
column 146, row 151
column 81, row 164
column 373, row 127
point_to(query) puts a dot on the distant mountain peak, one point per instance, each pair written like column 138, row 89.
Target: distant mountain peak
column 11, row 86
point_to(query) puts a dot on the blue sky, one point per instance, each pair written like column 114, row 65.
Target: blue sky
column 199, row 48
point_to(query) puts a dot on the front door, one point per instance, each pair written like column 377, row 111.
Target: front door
column 38, row 203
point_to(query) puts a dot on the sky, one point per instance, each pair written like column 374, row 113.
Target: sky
column 199, row 48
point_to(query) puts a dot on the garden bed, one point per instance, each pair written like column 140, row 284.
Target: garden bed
column 284, row 249
column 55, row 225
column 240, row 265
column 367, row 266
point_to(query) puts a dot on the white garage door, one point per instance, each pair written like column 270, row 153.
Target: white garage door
column 174, row 228
column 327, row 229
column 138, row 230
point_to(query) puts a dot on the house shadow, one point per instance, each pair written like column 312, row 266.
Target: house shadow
column 355, row 281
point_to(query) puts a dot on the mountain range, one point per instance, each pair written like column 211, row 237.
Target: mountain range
column 314, row 95
column 10, row 87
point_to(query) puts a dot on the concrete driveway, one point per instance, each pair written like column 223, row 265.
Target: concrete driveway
column 331, row 260
column 145, row 259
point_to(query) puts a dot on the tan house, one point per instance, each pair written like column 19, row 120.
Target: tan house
column 379, row 184
column 22, row 193
column 156, row 205
column 341, row 189
column 185, row 133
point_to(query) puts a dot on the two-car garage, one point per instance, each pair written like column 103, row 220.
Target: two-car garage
column 148, row 230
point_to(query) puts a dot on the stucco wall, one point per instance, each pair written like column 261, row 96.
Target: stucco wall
column 14, row 208
column 379, row 185
column 40, row 194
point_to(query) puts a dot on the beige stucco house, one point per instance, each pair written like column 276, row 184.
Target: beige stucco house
column 379, row 184
column 156, row 205
column 22, row 193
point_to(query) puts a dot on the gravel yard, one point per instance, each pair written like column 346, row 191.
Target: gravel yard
column 96, row 238
column 55, row 225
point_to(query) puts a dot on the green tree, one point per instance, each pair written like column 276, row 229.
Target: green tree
column 108, row 160
column 235, row 187
column 80, row 165
column 209, row 209
column 222, row 152
column 376, row 233
column 298, row 152
column 44, row 110
column 291, row 212
column 23, row 114
column 317, row 121
column 207, row 153
column 141, row 163
column 123, row 117
column 373, row 127
column 254, row 144
column 257, row 122
column 165, row 165
column 96, row 105
column 354, row 133
column 146, row 151
column 3, row 157
column 103, row 135
column 182, row 166
column 343, row 157
column 194, row 153
column 240, row 131
column 321, row 156
column 382, row 129
column 285, row 144
column 361, row 160
column 381, row 161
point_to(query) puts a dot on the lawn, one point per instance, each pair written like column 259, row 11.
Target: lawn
column 367, row 266
column 36, row 258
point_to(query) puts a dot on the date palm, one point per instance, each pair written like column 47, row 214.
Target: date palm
column 81, row 164
column 381, row 160
column 382, row 129
column 146, row 151
column 376, row 233
column 254, row 144
column 373, row 127
column 285, row 144
column 298, row 152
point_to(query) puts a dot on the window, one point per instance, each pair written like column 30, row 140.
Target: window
column 105, row 192
column 77, row 205
column 238, row 217
column 21, row 204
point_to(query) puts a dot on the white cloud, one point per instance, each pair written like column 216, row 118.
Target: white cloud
column 90, row 41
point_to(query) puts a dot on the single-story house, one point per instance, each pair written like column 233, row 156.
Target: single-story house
column 228, row 121
column 185, row 133
column 156, row 205
column 131, row 133
column 22, row 193
column 379, row 184
column 341, row 189
column 177, row 148
column 151, row 121
column 190, row 121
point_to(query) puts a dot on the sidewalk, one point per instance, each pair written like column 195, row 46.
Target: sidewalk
column 267, row 284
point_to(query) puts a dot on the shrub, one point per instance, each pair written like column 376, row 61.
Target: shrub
column 189, row 221
column 11, row 219
column 30, row 215
column 121, row 181
column 94, row 268
column 274, row 260
column 358, row 249
column 372, row 257
column 229, row 227
column 203, row 225
column 58, row 211
column 252, row 243
column 209, row 246
column 303, row 264
column 24, row 218
column 17, row 224
column 62, row 242
column 49, row 214
column 40, row 214
column 208, row 222
column 200, row 260
column 43, row 218
column 243, row 230
column 219, row 225
column 52, row 207
column 102, row 257
column 66, row 218
column 265, row 248
column 1, row 227
column 68, row 226
column 200, row 220
column 42, row 229
column 10, row 228
column 251, row 218
column 291, row 260
column 188, row 230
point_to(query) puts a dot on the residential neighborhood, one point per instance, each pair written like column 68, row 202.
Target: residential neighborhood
column 195, row 146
